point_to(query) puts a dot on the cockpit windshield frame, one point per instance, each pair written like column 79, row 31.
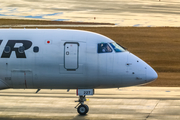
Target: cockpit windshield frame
column 117, row 47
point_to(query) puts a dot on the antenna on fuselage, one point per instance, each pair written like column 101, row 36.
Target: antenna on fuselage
column 38, row 90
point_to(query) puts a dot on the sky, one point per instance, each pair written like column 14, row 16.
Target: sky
column 121, row 12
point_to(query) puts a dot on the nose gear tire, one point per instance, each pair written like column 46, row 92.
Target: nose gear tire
column 82, row 109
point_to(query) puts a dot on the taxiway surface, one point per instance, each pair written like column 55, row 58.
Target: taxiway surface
column 136, row 103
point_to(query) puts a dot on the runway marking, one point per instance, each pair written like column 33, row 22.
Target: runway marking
column 140, row 103
column 153, row 109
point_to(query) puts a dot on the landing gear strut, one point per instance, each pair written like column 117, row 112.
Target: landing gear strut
column 82, row 108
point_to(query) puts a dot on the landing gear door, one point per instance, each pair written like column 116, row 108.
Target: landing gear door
column 71, row 55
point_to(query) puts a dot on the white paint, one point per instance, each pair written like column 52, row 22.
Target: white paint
column 82, row 68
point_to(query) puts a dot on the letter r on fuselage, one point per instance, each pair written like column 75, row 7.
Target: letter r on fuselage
column 11, row 43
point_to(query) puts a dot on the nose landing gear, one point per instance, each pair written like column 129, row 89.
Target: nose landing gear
column 82, row 108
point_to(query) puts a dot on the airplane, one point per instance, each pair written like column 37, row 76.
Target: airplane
column 68, row 59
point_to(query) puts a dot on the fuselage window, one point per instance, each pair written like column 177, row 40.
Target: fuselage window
column 104, row 48
column 7, row 49
column 21, row 49
column 117, row 47
column 36, row 49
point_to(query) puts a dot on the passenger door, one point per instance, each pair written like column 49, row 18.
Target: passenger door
column 71, row 55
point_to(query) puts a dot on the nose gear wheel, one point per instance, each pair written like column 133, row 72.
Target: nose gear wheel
column 82, row 108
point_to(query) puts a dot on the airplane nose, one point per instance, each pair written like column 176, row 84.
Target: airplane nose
column 151, row 74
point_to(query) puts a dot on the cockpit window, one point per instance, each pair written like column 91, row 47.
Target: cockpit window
column 117, row 47
column 104, row 48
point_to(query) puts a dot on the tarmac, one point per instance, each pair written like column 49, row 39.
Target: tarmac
column 131, row 103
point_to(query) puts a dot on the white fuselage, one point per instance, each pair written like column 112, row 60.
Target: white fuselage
column 66, row 59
